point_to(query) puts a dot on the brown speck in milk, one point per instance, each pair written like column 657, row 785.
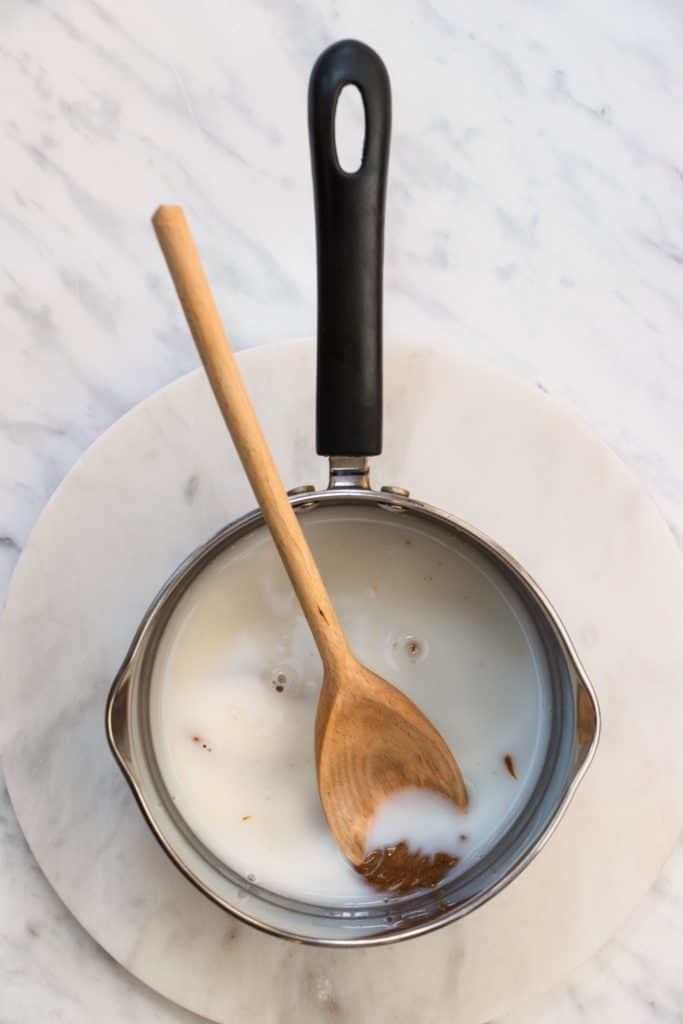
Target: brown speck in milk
column 407, row 540
column 246, row 817
column 428, row 579
column 463, row 837
column 510, row 765
column 279, row 688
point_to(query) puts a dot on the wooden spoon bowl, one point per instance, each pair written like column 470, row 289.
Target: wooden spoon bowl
column 370, row 742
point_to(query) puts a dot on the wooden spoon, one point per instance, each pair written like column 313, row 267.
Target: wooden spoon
column 370, row 740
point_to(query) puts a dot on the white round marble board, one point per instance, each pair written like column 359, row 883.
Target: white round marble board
column 161, row 481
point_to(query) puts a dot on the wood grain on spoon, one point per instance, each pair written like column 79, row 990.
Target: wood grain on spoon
column 370, row 740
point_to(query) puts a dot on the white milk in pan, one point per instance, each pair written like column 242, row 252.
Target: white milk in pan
column 237, row 676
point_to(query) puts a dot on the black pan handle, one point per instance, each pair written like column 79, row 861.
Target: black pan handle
column 349, row 211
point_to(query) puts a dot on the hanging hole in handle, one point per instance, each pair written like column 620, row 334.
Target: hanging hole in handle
column 349, row 129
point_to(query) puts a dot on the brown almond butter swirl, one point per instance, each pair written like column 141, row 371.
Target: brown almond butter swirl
column 399, row 869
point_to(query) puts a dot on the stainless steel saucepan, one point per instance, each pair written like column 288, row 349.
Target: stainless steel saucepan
column 350, row 227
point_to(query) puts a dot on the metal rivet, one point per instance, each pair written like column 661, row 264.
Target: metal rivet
column 400, row 491
column 302, row 489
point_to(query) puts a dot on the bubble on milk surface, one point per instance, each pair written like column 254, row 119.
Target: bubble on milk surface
column 279, row 681
column 407, row 649
column 284, row 680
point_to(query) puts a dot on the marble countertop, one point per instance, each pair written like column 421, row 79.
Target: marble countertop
column 535, row 222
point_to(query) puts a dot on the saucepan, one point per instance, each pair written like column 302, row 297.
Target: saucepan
column 350, row 225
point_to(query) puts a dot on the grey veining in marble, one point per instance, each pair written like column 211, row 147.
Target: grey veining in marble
column 535, row 222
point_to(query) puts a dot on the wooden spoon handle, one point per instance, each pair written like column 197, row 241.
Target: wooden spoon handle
column 195, row 296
